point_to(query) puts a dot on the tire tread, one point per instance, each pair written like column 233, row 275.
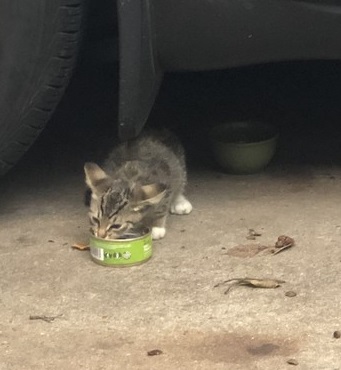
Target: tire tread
column 57, row 76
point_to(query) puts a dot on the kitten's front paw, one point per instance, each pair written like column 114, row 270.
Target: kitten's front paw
column 181, row 206
column 158, row 232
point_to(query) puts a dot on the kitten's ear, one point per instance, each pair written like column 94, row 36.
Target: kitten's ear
column 97, row 180
column 148, row 195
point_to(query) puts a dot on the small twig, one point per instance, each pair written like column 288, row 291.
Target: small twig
column 44, row 318
column 230, row 287
column 279, row 250
column 228, row 281
column 234, row 285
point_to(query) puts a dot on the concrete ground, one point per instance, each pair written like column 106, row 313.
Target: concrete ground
column 110, row 318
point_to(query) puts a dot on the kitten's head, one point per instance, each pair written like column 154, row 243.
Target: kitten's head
column 117, row 205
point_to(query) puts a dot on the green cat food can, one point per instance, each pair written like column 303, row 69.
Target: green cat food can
column 121, row 252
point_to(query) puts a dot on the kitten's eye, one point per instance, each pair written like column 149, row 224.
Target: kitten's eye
column 94, row 220
column 115, row 227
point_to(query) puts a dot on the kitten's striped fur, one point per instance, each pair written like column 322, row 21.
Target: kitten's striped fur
column 140, row 183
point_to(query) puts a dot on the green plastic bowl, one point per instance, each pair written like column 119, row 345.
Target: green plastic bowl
column 121, row 252
column 243, row 147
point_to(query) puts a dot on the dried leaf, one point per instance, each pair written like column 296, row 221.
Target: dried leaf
column 154, row 352
column 80, row 246
column 284, row 241
column 263, row 283
column 252, row 282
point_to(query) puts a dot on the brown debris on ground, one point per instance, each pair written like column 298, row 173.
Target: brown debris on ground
column 80, row 246
column 252, row 234
column 154, row 352
column 48, row 319
column 283, row 242
column 292, row 361
column 252, row 282
column 246, row 250
column 250, row 250
column 290, row 294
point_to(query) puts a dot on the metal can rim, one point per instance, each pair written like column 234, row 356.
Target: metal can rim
column 120, row 241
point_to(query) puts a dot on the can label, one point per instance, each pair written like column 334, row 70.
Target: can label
column 97, row 253
column 121, row 253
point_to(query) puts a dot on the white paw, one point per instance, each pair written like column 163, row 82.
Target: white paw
column 158, row 232
column 181, row 206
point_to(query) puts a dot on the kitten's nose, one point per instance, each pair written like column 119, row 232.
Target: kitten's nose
column 101, row 233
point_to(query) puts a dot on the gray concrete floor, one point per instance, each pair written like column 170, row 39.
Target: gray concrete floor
column 112, row 317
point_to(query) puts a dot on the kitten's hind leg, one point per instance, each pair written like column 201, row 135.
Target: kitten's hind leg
column 181, row 206
column 159, row 228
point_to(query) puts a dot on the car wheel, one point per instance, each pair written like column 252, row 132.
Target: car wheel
column 39, row 43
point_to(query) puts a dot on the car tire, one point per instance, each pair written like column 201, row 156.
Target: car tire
column 39, row 44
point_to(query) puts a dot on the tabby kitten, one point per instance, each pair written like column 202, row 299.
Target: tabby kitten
column 140, row 183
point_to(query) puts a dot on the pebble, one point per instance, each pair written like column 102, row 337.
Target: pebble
column 292, row 361
column 337, row 334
